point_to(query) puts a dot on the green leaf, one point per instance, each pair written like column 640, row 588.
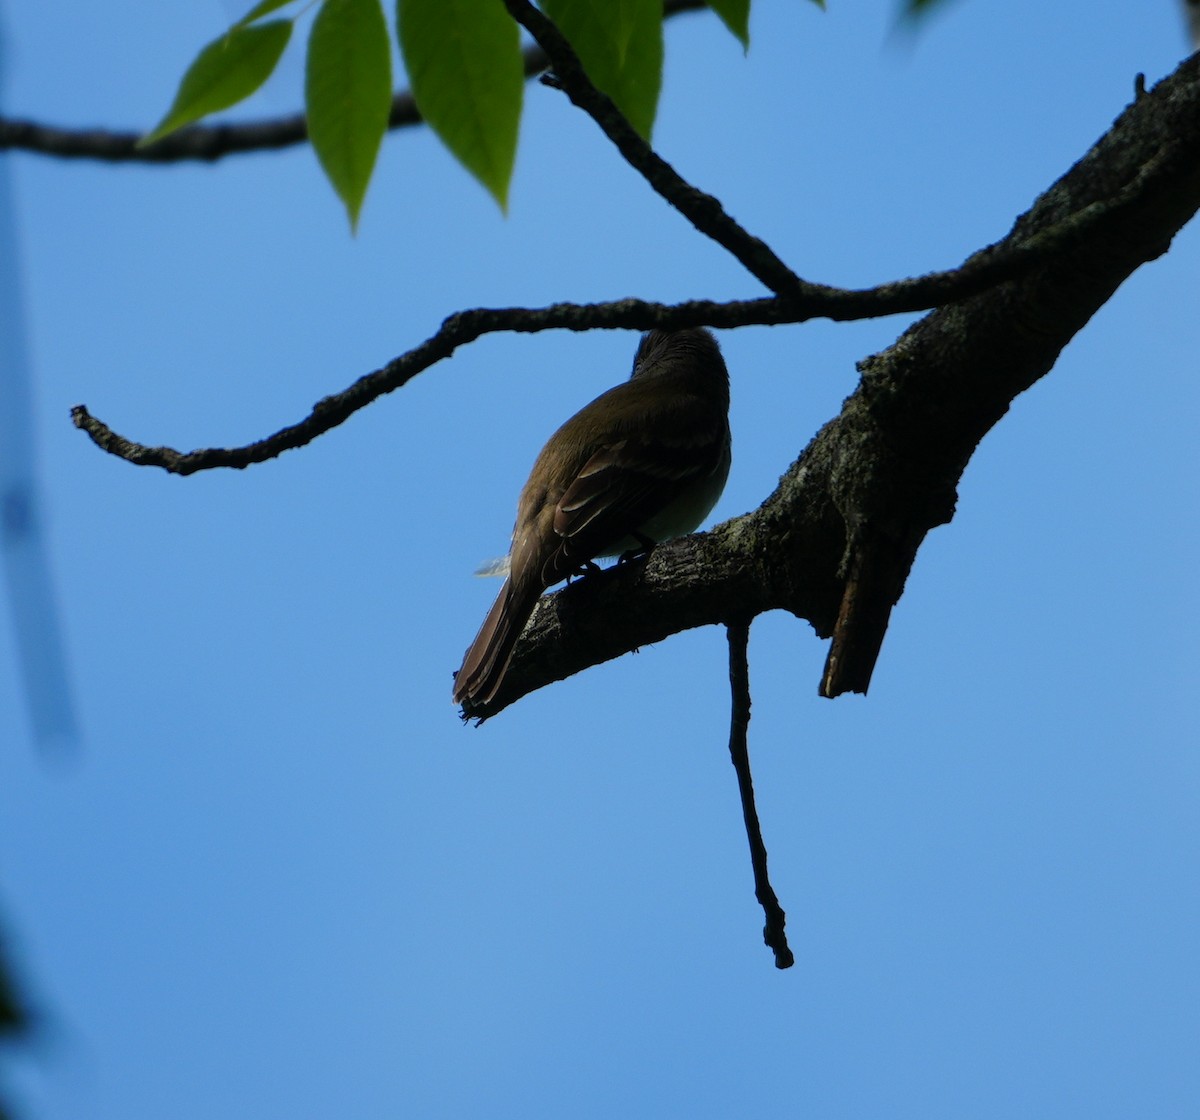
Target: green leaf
column 348, row 94
column 225, row 72
column 464, row 61
column 735, row 14
column 620, row 45
column 264, row 8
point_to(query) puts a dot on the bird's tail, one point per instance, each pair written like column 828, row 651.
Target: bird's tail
column 486, row 661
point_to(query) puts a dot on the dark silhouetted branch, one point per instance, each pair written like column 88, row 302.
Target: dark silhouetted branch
column 703, row 210
column 209, row 143
column 774, row 935
column 980, row 272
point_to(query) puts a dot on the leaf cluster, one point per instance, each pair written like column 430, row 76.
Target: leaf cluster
column 463, row 59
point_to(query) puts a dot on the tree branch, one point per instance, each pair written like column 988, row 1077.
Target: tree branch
column 835, row 542
column 801, row 300
column 774, row 935
column 209, row 143
column 854, row 509
column 703, row 210
column 980, row 272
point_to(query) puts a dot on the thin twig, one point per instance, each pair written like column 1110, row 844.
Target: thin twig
column 739, row 752
column 455, row 331
column 995, row 264
column 703, row 210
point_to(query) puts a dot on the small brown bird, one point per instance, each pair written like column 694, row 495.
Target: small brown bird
column 641, row 464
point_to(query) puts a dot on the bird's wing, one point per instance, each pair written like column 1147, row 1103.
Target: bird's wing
column 629, row 482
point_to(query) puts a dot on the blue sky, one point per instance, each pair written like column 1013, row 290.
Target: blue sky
column 280, row 879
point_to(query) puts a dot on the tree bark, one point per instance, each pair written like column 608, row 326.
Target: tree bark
column 835, row 542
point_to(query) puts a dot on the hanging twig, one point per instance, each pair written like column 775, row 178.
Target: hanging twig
column 739, row 753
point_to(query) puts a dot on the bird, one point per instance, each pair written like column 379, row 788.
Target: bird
column 643, row 463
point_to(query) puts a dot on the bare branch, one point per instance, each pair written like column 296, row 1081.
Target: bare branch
column 458, row 329
column 704, row 211
column 983, row 270
column 774, row 935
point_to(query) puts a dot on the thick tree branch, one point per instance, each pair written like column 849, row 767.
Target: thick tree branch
column 209, row 143
column 836, row 540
